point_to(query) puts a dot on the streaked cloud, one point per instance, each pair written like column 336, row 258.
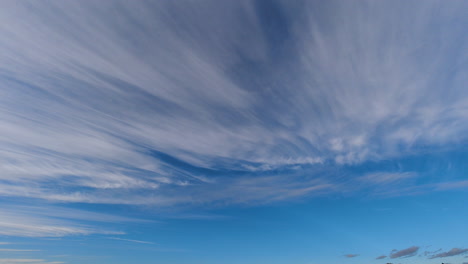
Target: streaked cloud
column 386, row 178
column 17, row 250
column 429, row 253
column 32, row 261
column 450, row 253
column 132, row 240
column 183, row 106
column 132, row 106
column 452, row 185
column 50, row 222
column 404, row 253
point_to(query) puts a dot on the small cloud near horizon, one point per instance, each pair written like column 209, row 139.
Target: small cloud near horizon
column 452, row 252
column 408, row 252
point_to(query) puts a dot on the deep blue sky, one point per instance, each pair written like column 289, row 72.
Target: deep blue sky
column 237, row 132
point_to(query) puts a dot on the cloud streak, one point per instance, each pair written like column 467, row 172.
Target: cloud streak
column 450, row 253
column 132, row 106
column 29, row 261
column 17, row 250
column 132, row 240
column 28, row 221
column 404, row 253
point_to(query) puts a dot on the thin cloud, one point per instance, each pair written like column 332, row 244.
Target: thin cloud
column 387, row 178
column 450, row 253
column 351, row 255
column 28, row 261
column 428, row 253
column 17, row 250
column 16, row 221
column 381, row 257
column 452, row 185
column 132, row 240
column 405, row 253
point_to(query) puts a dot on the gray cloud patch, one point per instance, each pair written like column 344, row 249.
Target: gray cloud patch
column 381, row 257
column 452, row 252
column 408, row 252
column 351, row 255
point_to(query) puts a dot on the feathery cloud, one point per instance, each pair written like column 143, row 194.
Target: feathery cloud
column 180, row 106
column 17, row 250
column 51, row 222
column 29, row 261
column 132, row 240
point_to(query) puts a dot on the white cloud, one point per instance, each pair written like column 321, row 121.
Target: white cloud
column 43, row 221
column 452, row 185
column 17, row 250
column 86, row 94
column 132, row 240
column 387, row 178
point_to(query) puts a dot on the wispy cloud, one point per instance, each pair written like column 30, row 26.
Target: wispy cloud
column 386, row 178
column 180, row 106
column 17, row 250
column 132, row 240
column 351, row 255
column 404, row 253
column 450, row 253
column 50, row 222
column 381, row 257
column 452, row 185
column 31, row 261
column 429, row 253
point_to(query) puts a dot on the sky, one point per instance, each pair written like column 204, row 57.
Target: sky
column 253, row 132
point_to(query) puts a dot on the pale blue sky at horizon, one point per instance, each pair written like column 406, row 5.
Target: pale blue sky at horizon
column 233, row 132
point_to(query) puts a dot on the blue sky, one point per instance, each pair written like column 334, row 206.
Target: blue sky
column 251, row 132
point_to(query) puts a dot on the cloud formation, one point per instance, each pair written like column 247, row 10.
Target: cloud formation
column 28, row 221
column 117, row 102
column 382, row 178
column 381, row 257
column 132, row 240
column 17, row 250
column 450, row 253
column 404, row 253
column 28, row 261
column 351, row 255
